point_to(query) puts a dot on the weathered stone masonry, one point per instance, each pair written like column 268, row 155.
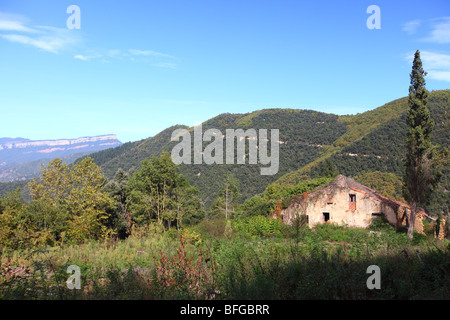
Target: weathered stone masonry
column 346, row 202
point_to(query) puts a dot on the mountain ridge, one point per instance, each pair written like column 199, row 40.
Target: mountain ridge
column 368, row 141
column 21, row 158
column 310, row 138
column 12, row 143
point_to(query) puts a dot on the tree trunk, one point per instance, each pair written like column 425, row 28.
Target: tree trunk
column 178, row 216
column 226, row 203
column 412, row 220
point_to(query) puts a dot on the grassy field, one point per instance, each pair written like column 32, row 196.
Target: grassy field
column 253, row 258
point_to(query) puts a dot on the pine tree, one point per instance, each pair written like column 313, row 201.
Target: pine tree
column 419, row 177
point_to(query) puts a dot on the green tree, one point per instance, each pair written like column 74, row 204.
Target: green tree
column 150, row 187
column 119, row 212
column 14, row 231
column 327, row 169
column 72, row 197
column 12, row 199
column 267, row 201
column 420, row 176
column 157, row 192
column 256, row 205
column 384, row 183
column 186, row 202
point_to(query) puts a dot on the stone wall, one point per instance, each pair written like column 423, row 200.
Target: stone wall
column 343, row 212
column 345, row 202
column 442, row 229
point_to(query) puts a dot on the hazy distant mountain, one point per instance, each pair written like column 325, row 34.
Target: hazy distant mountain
column 22, row 158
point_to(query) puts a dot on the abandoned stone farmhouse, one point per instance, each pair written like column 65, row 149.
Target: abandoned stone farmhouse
column 344, row 201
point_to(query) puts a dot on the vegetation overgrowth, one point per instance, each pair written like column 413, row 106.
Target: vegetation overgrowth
column 246, row 258
column 145, row 235
column 146, row 232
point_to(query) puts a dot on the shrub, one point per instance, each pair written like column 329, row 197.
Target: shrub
column 258, row 226
column 419, row 238
column 192, row 237
column 214, row 228
column 298, row 230
column 379, row 223
column 182, row 276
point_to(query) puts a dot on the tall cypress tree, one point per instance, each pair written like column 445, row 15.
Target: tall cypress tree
column 419, row 177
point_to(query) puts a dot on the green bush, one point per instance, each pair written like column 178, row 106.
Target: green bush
column 214, row 228
column 298, row 230
column 258, row 226
column 419, row 238
column 379, row 223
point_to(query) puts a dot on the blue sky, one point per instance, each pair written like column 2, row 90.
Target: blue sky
column 135, row 68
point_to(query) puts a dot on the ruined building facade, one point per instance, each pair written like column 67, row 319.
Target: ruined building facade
column 344, row 201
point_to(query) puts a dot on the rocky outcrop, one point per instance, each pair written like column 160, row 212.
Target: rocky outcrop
column 23, row 143
column 22, row 158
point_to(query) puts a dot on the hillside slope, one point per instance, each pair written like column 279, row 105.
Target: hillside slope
column 303, row 133
column 372, row 140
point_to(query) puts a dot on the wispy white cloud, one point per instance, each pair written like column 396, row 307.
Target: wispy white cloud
column 14, row 28
column 437, row 29
column 151, row 57
column 17, row 29
column 439, row 75
column 101, row 55
column 149, row 53
column 85, row 57
column 82, row 57
column 433, row 60
column 440, row 32
column 49, row 43
column 13, row 22
column 411, row 26
column 6, row 25
column 437, row 65
column 169, row 65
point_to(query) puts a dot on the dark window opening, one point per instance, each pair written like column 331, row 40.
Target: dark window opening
column 329, row 198
column 353, row 198
column 377, row 214
column 377, row 218
column 326, row 216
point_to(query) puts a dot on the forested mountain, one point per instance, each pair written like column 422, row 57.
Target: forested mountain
column 302, row 134
column 309, row 141
column 382, row 148
column 311, row 144
column 378, row 137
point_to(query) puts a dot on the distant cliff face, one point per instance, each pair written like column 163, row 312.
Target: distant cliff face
column 21, row 158
column 110, row 139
